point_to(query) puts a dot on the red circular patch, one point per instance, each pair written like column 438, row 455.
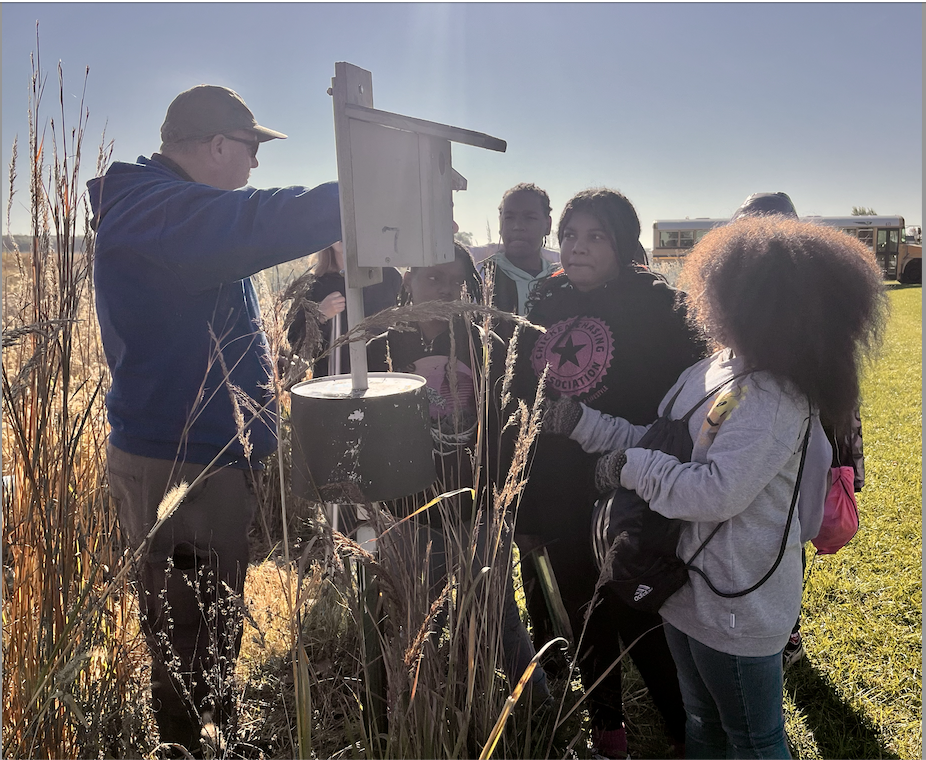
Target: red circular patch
column 579, row 352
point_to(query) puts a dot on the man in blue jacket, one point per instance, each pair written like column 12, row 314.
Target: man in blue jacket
column 178, row 237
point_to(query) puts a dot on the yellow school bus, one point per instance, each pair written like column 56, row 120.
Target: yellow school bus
column 897, row 248
column 673, row 238
column 900, row 259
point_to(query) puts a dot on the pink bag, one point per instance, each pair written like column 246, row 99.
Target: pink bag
column 840, row 512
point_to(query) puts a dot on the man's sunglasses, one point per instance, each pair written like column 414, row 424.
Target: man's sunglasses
column 253, row 145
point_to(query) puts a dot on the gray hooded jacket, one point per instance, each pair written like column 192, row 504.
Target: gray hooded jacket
column 747, row 449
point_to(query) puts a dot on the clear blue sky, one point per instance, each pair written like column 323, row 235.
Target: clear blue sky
column 687, row 108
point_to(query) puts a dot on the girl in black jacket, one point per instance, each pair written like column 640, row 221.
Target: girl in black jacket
column 617, row 341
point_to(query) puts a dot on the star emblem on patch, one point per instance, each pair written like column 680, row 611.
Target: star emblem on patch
column 578, row 352
column 568, row 352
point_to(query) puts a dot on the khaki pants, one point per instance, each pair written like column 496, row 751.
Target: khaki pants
column 190, row 581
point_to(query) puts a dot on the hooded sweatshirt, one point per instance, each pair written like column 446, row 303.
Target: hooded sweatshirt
column 178, row 312
column 522, row 281
column 742, row 473
column 617, row 348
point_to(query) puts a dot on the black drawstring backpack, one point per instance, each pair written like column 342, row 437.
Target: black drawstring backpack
column 638, row 547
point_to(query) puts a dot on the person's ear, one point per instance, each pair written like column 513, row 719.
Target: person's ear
column 219, row 147
column 549, row 226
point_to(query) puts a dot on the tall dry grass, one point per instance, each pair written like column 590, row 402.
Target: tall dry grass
column 71, row 653
column 74, row 663
column 360, row 655
column 391, row 657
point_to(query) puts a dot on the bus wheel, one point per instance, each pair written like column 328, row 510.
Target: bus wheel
column 912, row 273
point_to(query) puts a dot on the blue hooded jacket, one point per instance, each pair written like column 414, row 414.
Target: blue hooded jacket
column 178, row 313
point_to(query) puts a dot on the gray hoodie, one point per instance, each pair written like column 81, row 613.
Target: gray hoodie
column 747, row 449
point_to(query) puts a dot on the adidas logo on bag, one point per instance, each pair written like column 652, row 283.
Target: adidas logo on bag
column 642, row 590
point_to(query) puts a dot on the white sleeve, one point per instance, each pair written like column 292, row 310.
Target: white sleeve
column 597, row 432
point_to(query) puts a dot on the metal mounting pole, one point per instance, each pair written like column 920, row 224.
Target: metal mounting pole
column 358, row 348
column 352, row 85
column 334, row 363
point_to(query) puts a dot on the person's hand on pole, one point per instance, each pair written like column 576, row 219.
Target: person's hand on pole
column 332, row 304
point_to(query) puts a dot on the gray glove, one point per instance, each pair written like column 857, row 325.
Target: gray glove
column 608, row 470
column 561, row 416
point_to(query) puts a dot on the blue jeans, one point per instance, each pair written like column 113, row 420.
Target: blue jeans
column 733, row 704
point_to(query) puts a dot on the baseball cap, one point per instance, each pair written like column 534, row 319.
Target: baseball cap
column 207, row 110
column 764, row 204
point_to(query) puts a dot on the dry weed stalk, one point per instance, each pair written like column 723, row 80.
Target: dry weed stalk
column 297, row 360
column 448, row 621
column 69, row 653
column 426, row 672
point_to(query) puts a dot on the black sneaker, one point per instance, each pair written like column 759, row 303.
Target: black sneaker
column 794, row 650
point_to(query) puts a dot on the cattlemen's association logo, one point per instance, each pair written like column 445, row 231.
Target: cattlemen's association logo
column 579, row 352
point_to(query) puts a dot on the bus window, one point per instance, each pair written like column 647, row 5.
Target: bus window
column 885, row 236
column 888, row 245
column 865, row 236
column 668, row 239
column 888, row 241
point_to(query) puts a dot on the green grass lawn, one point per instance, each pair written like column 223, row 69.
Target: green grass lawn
column 858, row 692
